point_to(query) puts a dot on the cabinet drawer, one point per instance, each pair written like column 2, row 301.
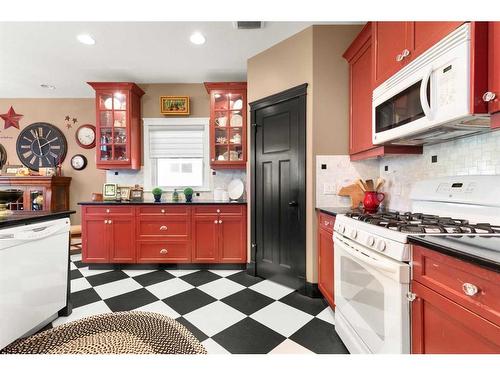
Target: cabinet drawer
column 163, row 252
column 458, row 280
column 165, row 228
column 162, row 210
column 215, row 209
column 326, row 221
column 104, row 210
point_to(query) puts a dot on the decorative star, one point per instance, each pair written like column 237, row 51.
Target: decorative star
column 66, row 118
column 68, row 125
column 75, row 120
column 11, row 118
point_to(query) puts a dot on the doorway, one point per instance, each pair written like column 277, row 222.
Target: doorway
column 278, row 183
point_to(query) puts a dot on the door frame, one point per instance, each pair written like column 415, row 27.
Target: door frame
column 299, row 92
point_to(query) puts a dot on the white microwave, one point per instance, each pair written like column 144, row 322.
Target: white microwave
column 428, row 101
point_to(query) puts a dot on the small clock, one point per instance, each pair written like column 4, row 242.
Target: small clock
column 41, row 145
column 78, row 162
column 85, row 136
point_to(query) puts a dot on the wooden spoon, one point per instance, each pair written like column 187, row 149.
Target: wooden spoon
column 379, row 184
column 361, row 184
column 369, row 185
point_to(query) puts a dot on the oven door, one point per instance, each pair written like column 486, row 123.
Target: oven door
column 372, row 309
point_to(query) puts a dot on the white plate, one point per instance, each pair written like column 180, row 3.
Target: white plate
column 238, row 104
column 235, row 189
column 236, row 120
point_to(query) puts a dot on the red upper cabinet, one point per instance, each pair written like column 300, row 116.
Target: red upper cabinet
column 228, row 124
column 118, row 125
column 389, row 41
column 360, row 59
column 493, row 94
column 395, row 44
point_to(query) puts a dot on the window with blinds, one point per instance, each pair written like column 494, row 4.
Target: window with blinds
column 178, row 156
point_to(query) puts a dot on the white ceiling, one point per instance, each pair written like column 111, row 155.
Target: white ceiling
column 35, row 53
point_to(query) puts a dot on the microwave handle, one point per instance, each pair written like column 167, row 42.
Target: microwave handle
column 423, row 94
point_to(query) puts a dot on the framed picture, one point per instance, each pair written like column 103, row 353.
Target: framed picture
column 125, row 192
column 109, row 192
column 136, row 194
column 47, row 171
column 174, row 105
column 12, row 170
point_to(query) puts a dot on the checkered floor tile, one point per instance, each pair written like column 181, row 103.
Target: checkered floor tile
column 228, row 311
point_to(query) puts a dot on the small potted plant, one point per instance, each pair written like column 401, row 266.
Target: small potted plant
column 157, row 192
column 188, row 193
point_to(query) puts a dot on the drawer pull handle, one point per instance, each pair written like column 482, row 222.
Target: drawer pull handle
column 469, row 289
column 163, row 227
column 163, row 251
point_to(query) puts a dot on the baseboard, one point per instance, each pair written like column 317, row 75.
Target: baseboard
column 251, row 269
column 168, row 266
column 311, row 290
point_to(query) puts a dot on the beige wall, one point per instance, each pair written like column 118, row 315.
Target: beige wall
column 53, row 111
column 313, row 56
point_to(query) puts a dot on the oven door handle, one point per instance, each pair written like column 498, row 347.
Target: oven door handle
column 363, row 258
column 423, row 94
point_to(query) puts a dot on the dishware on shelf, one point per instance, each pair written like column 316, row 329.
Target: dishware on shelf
column 221, row 121
column 236, row 121
column 238, row 104
column 219, row 194
column 236, row 139
column 235, row 189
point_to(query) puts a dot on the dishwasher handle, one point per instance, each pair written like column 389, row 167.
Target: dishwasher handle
column 36, row 233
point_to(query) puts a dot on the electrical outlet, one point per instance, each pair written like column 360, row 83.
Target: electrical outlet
column 329, row 188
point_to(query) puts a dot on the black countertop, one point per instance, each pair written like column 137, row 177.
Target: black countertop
column 334, row 210
column 481, row 250
column 106, row 203
column 30, row 217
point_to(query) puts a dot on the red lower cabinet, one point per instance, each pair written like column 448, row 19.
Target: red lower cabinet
column 456, row 307
column 325, row 257
column 205, row 238
column 95, row 239
column 164, row 233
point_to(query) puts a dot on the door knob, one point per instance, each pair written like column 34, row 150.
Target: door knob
column 293, row 204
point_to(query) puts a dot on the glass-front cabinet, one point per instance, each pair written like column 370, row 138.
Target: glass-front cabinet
column 228, row 124
column 118, row 116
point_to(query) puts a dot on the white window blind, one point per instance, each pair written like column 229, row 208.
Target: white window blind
column 177, row 142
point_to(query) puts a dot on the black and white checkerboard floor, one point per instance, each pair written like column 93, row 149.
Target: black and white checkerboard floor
column 228, row 311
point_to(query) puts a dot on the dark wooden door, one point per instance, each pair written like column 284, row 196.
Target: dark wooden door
column 279, row 187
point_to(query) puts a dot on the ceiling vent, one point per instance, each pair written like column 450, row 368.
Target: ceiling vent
column 248, row 25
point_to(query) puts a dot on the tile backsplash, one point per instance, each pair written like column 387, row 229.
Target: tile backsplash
column 467, row 156
column 220, row 180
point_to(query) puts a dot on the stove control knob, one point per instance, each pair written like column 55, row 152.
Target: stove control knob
column 354, row 233
column 370, row 241
column 381, row 245
column 344, row 229
column 341, row 228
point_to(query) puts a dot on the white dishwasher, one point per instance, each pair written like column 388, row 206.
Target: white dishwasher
column 33, row 276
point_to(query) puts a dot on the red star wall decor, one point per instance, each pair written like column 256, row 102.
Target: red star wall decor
column 11, row 118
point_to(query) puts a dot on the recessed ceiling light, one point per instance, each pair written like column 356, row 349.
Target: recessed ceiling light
column 197, row 38
column 50, row 87
column 86, row 39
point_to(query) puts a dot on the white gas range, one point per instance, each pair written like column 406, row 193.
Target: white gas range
column 372, row 256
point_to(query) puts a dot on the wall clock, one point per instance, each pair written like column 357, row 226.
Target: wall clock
column 79, row 162
column 85, row 136
column 3, row 156
column 41, row 145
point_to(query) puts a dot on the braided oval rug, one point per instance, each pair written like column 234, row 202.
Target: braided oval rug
column 130, row 332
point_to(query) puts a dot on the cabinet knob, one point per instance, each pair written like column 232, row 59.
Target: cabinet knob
column 399, row 57
column 105, row 221
column 488, row 96
column 220, row 221
column 218, row 210
column 213, row 159
column 405, row 53
column 215, row 221
column 107, row 210
column 163, row 227
column 109, row 221
column 163, row 251
column 162, row 211
column 469, row 289
column 326, row 222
